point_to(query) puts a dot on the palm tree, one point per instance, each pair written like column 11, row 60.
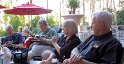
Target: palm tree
column 92, row 6
column 73, row 4
column 83, row 7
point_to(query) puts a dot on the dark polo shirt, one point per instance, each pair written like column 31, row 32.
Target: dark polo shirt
column 16, row 38
column 67, row 47
column 104, row 49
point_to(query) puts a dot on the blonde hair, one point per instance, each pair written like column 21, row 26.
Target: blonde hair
column 20, row 27
column 71, row 26
column 25, row 29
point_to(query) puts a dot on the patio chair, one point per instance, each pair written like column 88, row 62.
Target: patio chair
column 121, row 32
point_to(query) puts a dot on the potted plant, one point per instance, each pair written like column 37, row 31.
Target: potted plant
column 73, row 4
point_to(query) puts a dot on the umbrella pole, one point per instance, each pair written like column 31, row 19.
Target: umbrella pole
column 29, row 23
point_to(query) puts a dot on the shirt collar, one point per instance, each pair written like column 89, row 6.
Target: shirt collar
column 101, row 37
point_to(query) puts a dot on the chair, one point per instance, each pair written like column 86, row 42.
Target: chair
column 35, row 42
column 58, row 29
column 2, row 40
column 121, row 32
column 122, row 61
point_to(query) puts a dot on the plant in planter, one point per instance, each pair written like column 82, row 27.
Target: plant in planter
column 73, row 4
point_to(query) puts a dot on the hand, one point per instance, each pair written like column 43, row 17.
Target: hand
column 9, row 43
column 75, row 58
column 15, row 46
column 66, row 61
column 38, row 37
column 48, row 61
column 54, row 40
column 4, row 45
column 29, row 39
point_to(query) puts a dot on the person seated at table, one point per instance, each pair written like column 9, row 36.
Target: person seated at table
column 25, row 32
column 101, row 47
column 11, row 41
column 66, row 44
column 20, row 29
column 44, row 36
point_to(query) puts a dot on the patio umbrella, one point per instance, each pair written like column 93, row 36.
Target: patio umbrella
column 27, row 9
column 2, row 7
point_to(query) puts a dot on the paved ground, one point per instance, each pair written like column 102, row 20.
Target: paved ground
column 0, row 60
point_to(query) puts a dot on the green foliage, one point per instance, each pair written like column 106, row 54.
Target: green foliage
column 14, row 20
column 73, row 4
column 83, row 20
column 2, row 33
column 50, row 21
column 53, row 21
column 34, row 24
column 108, row 9
column 120, row 17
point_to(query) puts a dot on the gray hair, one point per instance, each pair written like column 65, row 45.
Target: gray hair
column 44, row 22
column 9, row 27
column 25, row 29
column 72, row 27
column 20, row 27
column 104, row 16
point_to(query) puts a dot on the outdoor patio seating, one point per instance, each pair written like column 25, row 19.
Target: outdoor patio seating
column 121, row 32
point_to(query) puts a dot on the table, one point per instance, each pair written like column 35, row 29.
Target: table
column 40, row 62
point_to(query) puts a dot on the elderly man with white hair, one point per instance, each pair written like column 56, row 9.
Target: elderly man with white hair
column 12, row 40
column 101, row 47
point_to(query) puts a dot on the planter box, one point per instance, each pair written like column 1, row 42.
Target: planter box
column 75, row 17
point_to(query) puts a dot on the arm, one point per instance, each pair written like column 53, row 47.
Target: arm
column 49, row 60
column 67, row 48
column 83, row 61
column 112, row 55
column 20, row 40
column 47, row 42
column 74, row 51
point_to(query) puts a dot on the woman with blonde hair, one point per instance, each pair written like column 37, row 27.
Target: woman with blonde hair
column 66, row 44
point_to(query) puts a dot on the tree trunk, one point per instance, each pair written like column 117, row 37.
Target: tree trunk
column 107, row 2
column 103, row 4
column 83, row 7
column 100, row 2
column 110, row 6
column 30, row 1
column 73, row 10
column 63, row 7
column 114, row 5
column 92, row 6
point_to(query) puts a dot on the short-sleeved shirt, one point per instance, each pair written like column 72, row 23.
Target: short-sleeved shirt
column 105, row 49
column 67, row 47
column 51, row 32
column 16, row 38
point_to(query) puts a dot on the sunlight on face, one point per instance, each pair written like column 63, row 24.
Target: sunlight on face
column 95, row 26
column 65, row 29
column 9, row 31
column 42, row 27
